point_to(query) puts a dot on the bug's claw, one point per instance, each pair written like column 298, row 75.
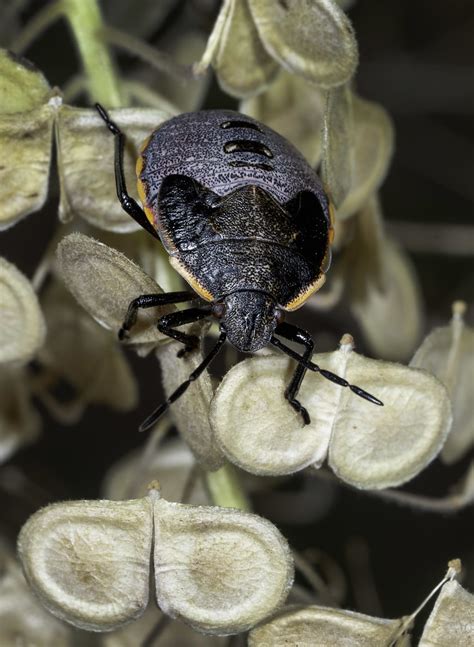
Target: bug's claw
column 189, row 348
column 297, row 406
column 123, row 334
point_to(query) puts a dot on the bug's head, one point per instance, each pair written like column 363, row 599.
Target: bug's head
column 249, row 318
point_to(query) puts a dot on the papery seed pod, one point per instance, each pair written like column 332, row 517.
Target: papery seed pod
column 27, row 111
column 452, row 620
column 358, row 143
column 88, row 561
column 369, row 447
column 83, row 354
column 448, row 353
column 267, row 34
column 220, row 570
column 22, row 329
column 381, row 286
column 104, row 281
column 327, row 627
column 85, row 154
column 23, row 621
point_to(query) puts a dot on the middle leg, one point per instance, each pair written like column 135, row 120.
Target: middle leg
column 167, row 323
column 151, row 301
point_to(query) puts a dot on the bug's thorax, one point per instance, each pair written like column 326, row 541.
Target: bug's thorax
column 249, row 317
column 250, row 211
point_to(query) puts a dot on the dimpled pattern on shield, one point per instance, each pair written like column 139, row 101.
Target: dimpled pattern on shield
column 236, row 205
column 192, row 144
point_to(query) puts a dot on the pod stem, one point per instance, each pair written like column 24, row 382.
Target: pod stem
column 86, row 22
column 225, row 488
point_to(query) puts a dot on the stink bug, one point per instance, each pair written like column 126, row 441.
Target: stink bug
column 247, row 224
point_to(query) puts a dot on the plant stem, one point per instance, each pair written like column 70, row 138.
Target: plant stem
column 225, row 489
column 86, row 23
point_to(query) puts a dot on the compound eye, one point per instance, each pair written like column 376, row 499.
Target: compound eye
column 218, row 310
column 279, row 316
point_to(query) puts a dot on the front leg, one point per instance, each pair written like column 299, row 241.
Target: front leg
column 150, row 301
column 299, row 336
column 167, row 322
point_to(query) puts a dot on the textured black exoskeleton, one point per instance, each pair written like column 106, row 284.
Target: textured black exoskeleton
column 245, row 221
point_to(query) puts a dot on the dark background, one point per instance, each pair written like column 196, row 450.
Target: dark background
column 415, row 59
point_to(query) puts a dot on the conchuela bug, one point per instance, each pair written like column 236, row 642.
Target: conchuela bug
column 247, row 224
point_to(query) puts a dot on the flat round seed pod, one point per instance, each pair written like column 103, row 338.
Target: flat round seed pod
column 23, row 621
column 255, row 426
column 191, row 415
column 452, row 620
column 22, row 86
column 369, row 446
column 336, row 167
column 324, row 627
column 85, row 354
column 372, row 150
column 88, row 561
column 390, row 312
column 26, row 123
column 218, row 569
column 104, row 281
column 253, row 68
column 386, row 446
column 24, row 173
column 86, row 163
column 448, row 353
column 382, row 287
column 295, row 109
column 23, row 329
column 311, row 38
column 358, row 142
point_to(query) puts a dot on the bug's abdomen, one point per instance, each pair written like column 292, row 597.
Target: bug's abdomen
column 224, row 150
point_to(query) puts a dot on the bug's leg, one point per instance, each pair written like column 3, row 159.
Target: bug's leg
column 150, row 301
column 329, row 375
column 152, row 418
column 167, row 322
column 299, row 336
column 128, row 203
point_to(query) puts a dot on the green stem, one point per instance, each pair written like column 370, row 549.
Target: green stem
column 225, row 489
column 86, row 23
